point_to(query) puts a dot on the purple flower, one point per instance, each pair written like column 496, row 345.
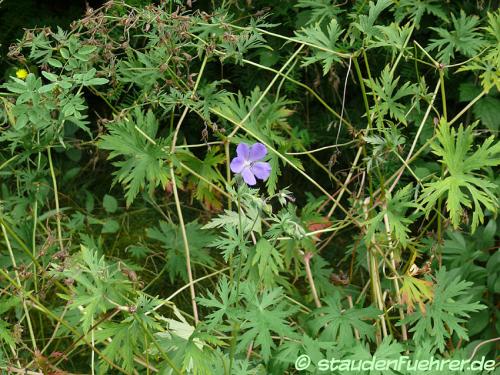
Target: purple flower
column 248, row 165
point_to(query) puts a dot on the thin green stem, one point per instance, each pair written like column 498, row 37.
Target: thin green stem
column 56, row 199
column 186, row 245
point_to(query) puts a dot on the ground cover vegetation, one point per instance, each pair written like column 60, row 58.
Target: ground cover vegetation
column 219, row 187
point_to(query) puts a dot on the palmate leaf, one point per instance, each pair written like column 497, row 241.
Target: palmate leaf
column 223, row 307
column 242, row 44
column 122, row 346
column 142, row 163
column 397, row 206
column 328, row 42
column 206, row 168
column 415, row 9
column 443, row 316
column 230, row 242
column 250, row 221
column 189, row 354
column 366, row 23
column 396, row 209
column 318, row 10
column 415, row 290
column 392, row 36
column 386, row 88
column 187, row 346
column 96, row 283
column 315, row 348
column 265, row 316
column 488, row 64
column 486, row 109
column 141, row 69
column 464, row 38
column 464, row 182
column 128, row 337
column 170, row 236
column 459, row 250
column 337, row 323
column 268, row 261
column 388, row 350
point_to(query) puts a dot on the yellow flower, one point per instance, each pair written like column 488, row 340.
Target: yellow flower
column 21, row 73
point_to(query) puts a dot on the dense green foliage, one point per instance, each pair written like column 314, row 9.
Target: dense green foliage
column 129, row 246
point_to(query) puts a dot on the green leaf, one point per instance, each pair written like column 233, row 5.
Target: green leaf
column 464, row 187
column 388, row 350
column 250, row 221
column 110, row 226
column 446, row 313
column 5, row 334
column 96, row 282
column 96, row 82
column 386, row 88
column 316, row 11
column 464, row 38
column 6, row 304
column 55, row 63
column 110, row 203
column 222, row 302
column 208, row 169
column 415, row 291
column 268, row 261
column 486, row 109
column 143, row 164
column 324, row 44
column 265, row 316
column 50, row 76
column 415, row 9
column 170, row 236
column 398, row 220
column 366, row 23
column 128, row 338
column 335, row 323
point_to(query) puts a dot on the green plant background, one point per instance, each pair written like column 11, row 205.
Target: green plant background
column 128, row 246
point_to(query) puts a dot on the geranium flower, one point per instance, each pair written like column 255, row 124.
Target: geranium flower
column 248, row 165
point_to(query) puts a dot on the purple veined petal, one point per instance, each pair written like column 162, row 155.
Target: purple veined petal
column 261, row 170
column 237, row 164
column 257, row 152
column 248, row 176
column 243, row 151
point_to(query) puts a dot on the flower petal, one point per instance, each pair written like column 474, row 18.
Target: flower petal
column 248, row 176
column 243, row 151
column 257, row 152
column 237, row 164
column 261, row 170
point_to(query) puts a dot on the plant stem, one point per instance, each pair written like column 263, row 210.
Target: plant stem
column 395, row 279
column 186, row 108
column 310, row 279
column 186, row 245
column 375, row 276
column 56, row 199
column 414, row 144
